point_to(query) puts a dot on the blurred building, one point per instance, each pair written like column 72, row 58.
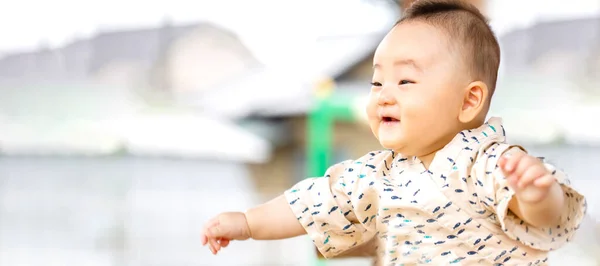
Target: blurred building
column 114, row 147
column 171, row 57
column 200, row 70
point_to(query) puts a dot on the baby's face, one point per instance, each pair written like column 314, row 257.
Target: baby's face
column 416, row 90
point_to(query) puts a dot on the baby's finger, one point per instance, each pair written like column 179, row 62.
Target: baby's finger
column 212, row 249
column 224, row 242
column 511, row 161
column 513, row 181
column 208, row 225
column 214, row 244
column 203, row 239
column 502, row 161
column 545, row 181
column 524, row 163
column 529, row 175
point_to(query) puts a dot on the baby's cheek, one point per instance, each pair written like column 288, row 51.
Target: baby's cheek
column 371, row 106
column 426, row 121
column 417, row 111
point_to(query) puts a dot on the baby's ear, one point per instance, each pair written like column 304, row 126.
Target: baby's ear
column 475, row 102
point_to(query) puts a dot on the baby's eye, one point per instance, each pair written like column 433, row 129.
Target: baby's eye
column 404, row 82
column 376, row 84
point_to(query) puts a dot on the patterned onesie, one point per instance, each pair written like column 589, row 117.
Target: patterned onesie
column 454, row 213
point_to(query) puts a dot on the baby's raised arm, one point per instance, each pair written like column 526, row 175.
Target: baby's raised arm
column 532, row 201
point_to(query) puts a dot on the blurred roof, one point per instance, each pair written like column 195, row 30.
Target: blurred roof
column 574, row 40
column 82, row 58
column 143, row 45
column 282, row 91
column 286, row 87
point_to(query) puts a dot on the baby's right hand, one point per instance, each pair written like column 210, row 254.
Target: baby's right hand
column 219, row 231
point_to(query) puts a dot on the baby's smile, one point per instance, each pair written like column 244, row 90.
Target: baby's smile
column 388, row 120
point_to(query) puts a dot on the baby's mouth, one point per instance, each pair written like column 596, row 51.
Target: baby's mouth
column 389, row 119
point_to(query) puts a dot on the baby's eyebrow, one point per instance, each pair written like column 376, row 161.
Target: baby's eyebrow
column 402, row 62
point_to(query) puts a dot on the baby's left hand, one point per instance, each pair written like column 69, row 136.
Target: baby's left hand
column 527, row 176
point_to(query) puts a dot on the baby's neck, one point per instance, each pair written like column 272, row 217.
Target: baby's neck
column 427, row 158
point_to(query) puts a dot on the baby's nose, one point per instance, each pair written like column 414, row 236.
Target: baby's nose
column 385, row 97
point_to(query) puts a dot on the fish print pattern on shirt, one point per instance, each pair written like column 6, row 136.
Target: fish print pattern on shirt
column 454, row 213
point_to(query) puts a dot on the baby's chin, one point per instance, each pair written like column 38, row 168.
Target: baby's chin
column 391, row 143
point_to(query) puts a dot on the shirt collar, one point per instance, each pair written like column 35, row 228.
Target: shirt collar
column 465, row 143
column 468, row 143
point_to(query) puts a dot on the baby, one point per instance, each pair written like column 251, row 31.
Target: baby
column 447, row 188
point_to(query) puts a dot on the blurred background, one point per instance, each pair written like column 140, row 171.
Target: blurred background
column 125, row 125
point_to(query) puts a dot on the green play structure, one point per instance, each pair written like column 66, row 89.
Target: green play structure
column 327, row 110
column 329, row 107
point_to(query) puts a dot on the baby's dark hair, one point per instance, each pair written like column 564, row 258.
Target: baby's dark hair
column 468, row 30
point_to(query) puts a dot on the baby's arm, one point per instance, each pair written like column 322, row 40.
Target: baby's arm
column 273, row 220
column 539, row 199
column 541, row 214
column 532, row 201
column 269, row 221
column 337, row 211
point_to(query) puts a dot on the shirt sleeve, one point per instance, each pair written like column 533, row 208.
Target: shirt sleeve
column 338, row 211
column 497, row 189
